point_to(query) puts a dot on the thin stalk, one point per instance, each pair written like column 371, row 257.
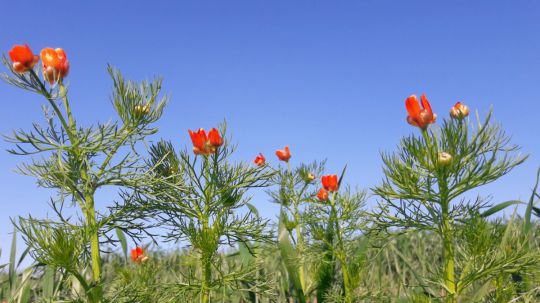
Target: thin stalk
column 446, row 225
column 342, row 255
column 206, row 256
column 448, row 254
column 49, row 98
column 94, row 245
column 299, row 237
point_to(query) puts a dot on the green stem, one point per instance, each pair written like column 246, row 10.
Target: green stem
column 298, row 229
column 342, row 254
column 206, row 254
column 448, row 254
column 446, row 225
column 49, row 98
column 71, row 121
column 94, row 245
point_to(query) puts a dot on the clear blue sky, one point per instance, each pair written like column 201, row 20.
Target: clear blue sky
column 328, row 78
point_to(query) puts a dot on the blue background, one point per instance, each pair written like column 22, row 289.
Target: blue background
column 327, row 78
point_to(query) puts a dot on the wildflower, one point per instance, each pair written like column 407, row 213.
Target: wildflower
column 459, row 111
column 260, row 159
column 444, row 159
column 138, row 256
column 214, row 138
column 310, row 177
column 22, row 57
column 330, row 182
column 55, row 64
column 284, row 154
column 203, row 144
column 419, row 117
column 200, row 142
column 322, row 195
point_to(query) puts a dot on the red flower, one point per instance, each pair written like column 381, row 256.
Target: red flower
column 203, row 144
column 284, row 154
column 259, row 160
column 199, row 140
column 330, row 182
column 22, row 57
column 417, row 116
column 137, row 255
column 215, row 138
column 322, row 195
column 55, row 64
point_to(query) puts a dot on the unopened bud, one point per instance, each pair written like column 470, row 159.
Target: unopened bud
column 290, row 225
column 444, row 159
column 141, row 110
column 310, row 177
column 459, row 111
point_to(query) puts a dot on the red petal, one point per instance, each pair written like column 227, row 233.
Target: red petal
column 425, row 103
column 413, row 108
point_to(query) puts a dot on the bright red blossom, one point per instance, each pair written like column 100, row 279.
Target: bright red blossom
column 22, row 57
column 284, row 154
column 137, row 255
column 419, row 117
column 203, row 144
column 55, row 64
column 330, row 182
column 259, row 160
column 322, row 195
column 215, row 138
column 198, row 139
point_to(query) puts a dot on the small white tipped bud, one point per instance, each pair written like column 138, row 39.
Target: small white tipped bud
column 444, row 159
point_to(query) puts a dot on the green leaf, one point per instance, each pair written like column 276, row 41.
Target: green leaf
column 245, row 253
column 527, row 224
column 342, row 175
column 123, row 242
column 12, row 269
column 498, row 207
column 289, row 256
column 48, row 282
column 253, row 209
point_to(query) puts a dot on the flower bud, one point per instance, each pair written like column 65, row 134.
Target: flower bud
column 444, row 159
column 459, row 111
column 310, row 177
column 290, row 225
column 146, row 109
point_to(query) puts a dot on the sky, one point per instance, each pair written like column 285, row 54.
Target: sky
column 327, row 78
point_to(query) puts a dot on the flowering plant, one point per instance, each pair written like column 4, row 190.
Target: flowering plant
column 77, row 161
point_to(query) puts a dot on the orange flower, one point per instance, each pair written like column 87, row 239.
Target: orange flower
column 330, row 182
column 284, row 154
column 215, row 138
column 55, row 64
column 259, row 160
column 137, row 255
column 199, row 140
column 203, row 144
column 417, row 116
column 322, row 195
column 22, row 57
column 459, row 111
